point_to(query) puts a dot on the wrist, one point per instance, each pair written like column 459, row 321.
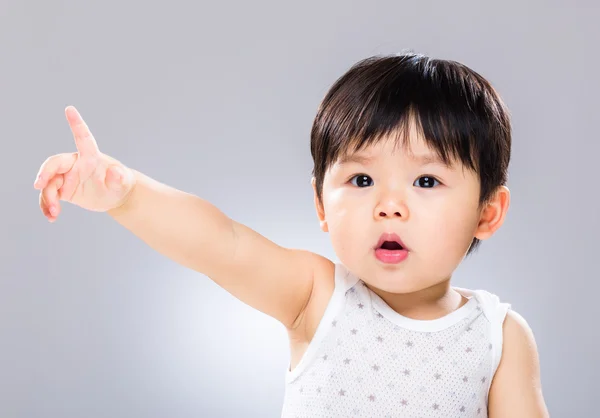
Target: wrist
column 125, row 204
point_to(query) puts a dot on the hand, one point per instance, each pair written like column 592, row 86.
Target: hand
column 86, row 178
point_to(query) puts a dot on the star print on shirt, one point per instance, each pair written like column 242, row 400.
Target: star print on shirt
column 409, row 362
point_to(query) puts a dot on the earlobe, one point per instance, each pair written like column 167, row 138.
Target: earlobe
column 319, row 208
column 493, row 214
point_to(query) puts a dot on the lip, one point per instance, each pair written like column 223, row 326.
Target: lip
column 390, row 236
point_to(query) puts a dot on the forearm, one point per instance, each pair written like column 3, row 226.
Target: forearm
column 183, row 227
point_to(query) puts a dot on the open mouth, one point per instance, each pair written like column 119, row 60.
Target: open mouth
column 391, row 245
column 390, row 241
column 390, row 249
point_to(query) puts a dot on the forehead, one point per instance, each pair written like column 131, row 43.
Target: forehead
column 406, row 138
column 414, row 150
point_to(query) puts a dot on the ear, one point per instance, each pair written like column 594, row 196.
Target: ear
column 493, row 213
column 319, row 208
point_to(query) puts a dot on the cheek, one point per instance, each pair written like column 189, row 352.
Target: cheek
column 450, row 228
column 348, row 211
column 346, row 220
column 335, row 214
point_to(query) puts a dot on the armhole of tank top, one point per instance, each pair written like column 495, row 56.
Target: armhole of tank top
column 343, row 281
column 496, row 339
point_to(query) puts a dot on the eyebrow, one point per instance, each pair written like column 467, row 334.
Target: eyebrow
column 425, row 159
column 421, row 159
column 355, row 158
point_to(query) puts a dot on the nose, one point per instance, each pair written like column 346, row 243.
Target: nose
column 390, row 207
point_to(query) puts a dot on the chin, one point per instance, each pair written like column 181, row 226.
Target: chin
column 393, row 281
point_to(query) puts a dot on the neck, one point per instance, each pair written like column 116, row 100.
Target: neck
column 431, row 303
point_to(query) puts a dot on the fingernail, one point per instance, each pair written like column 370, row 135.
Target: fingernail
column 52, row 210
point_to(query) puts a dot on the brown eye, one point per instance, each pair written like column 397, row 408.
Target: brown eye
column 362, row 180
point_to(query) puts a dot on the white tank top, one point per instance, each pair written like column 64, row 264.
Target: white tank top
column 366, row 360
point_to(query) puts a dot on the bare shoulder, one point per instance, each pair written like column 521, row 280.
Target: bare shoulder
column 322, row 289
column 518, row 334
column 516, row 389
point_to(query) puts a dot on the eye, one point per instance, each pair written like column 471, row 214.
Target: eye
column 362, row 180
column 426, row 182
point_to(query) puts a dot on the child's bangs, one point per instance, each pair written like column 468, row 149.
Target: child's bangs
column 446, row 132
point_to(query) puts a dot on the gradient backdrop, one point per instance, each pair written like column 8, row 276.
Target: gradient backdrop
column 218, row 99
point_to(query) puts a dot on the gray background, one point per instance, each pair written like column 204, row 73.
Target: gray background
column 218, row 100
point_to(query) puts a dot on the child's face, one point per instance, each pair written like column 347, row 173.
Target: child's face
column 395, row 192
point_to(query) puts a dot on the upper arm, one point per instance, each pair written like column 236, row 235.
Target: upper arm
column 516, row 390
column 272, row 279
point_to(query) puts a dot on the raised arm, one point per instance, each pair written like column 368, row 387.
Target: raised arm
column 185, row 228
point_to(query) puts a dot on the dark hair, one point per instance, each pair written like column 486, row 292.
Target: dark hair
column 460, row 115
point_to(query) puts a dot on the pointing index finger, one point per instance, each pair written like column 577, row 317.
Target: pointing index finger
column 84, row 140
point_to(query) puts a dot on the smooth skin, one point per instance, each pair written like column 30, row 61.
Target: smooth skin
column 291, row 285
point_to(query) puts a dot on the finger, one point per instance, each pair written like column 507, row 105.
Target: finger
column 84, row 140
column 49, row 198
column 57, row 164
column 71, row 181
